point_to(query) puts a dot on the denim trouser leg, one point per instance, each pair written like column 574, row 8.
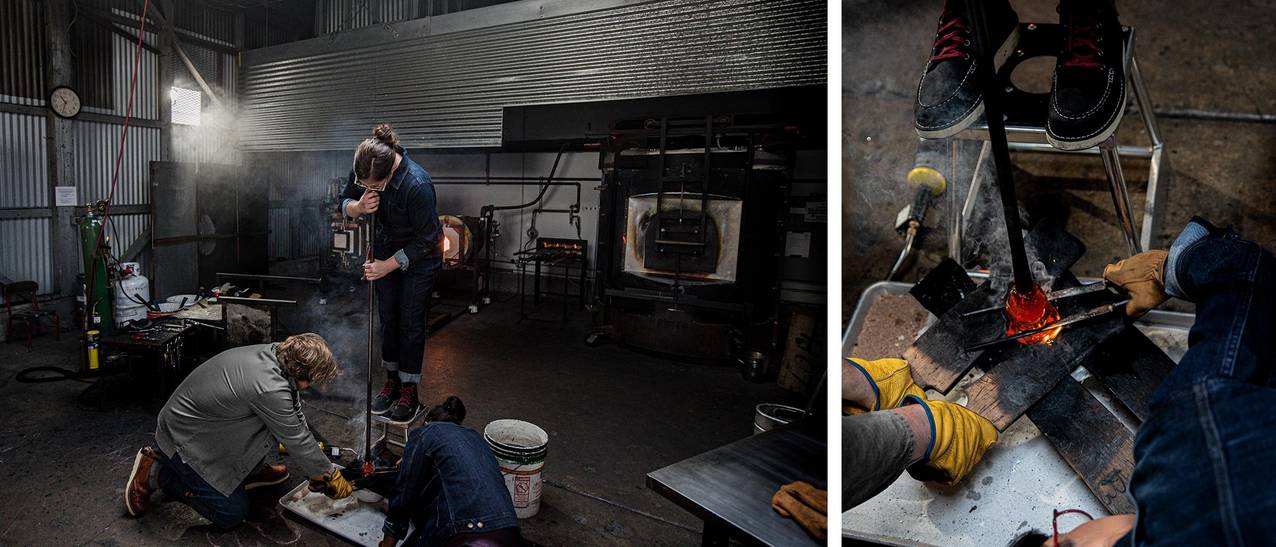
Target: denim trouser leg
column 183, row 484
column 1204, row 459
column 403, row 298
column 876, row 448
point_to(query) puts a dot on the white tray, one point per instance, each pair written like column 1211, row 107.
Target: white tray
column 350, row 519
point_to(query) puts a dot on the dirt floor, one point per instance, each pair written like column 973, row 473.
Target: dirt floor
column 613, row 415
column 1193, row 54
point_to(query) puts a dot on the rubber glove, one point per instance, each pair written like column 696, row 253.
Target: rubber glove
column 1143, row 276
column 891, row 380
column 960, row 438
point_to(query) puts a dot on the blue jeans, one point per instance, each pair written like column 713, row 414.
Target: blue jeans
column 403, row 298
column 183, row 484
column 1205, row 461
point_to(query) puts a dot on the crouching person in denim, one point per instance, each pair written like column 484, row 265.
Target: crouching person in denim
column 450, row 488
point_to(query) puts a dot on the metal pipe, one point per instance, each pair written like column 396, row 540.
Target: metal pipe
column 1120, row 194
column 1000, row 151
column 1145, row 103
column 954, row 206
column 367, row 430
column 1215, row 116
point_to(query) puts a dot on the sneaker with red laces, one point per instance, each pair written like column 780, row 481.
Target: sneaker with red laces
column 407, row 405
column 137, row 492
column 949, row 97
column 266, row 475
column 1087, row 95
column 384, row 401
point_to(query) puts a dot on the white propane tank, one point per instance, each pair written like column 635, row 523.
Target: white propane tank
column 131, row 294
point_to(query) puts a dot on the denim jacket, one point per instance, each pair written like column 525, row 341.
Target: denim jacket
column 408, row 225
column 449, row 483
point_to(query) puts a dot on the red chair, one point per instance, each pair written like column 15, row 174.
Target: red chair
column 31, row 317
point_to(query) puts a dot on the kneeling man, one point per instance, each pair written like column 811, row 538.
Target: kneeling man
column 221, row 422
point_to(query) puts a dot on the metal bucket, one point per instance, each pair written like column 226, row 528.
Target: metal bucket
column 769, row 415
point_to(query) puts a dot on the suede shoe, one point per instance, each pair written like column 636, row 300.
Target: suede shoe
column 137, row 492
column 949, row 97
column 1087, row 94
column 407, row 405
column 384, row 401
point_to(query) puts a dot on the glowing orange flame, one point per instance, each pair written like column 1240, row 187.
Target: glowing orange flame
column 447, row 245
column 1031, row 311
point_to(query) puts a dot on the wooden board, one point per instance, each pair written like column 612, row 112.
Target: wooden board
column 937, row 357
column 1021, row 374
column 1093, row 441
column 1131, row 366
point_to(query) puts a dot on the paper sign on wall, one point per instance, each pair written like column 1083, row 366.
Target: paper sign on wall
column 65, row 196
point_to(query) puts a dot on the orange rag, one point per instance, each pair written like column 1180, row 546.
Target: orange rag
column 806, row 505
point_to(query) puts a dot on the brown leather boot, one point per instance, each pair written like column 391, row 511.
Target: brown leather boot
column 266, row 475
column 137, row 492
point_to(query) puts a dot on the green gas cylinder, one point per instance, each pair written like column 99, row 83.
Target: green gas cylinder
column 97, row 302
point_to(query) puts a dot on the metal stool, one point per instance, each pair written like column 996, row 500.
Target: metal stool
column 1026, row 115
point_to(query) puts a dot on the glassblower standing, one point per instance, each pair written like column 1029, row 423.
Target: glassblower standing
column 406, row 257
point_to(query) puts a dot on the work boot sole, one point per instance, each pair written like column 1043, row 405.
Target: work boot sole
column 1003, row 53
column 128, row 486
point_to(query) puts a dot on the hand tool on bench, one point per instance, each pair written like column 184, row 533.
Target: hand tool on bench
column 1098, row 311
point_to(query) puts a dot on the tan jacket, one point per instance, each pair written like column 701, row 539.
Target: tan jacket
column 230, row 412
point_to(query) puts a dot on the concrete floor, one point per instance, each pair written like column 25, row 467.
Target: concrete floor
column 1194, row 54
column 613, row 415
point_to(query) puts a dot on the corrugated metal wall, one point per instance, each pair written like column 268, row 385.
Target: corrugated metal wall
column 447, row 90
column 23, row 145
column 22, row 44
column 343, row 15
column 23, row 161
column 26, row 253
column 96, row 146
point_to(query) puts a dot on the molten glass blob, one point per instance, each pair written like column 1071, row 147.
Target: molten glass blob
column 1031, row 311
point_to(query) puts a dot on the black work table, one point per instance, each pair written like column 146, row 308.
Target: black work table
column 730, row 487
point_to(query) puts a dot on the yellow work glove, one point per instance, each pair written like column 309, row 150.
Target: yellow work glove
column 960, row 439
column 891, row 380
column 332, row 484
column 1143, row 276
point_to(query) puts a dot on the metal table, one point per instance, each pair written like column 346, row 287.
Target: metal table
column 730, row 487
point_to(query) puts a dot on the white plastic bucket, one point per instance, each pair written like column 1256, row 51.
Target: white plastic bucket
column 520, row 449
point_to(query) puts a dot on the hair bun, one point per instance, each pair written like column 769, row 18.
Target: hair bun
column 385, row 134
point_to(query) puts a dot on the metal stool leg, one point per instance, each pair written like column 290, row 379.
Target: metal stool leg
column 1120, row 196
column 968, row 208
column 954, row 205
column 1156, row 188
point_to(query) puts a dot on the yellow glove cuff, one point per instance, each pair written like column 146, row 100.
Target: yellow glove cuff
column 891, row 380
